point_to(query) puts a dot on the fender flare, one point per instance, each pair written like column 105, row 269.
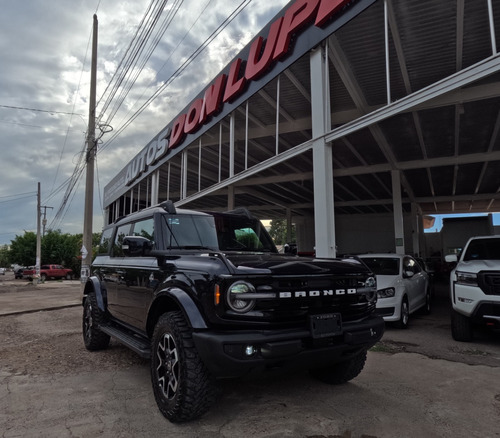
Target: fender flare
column 93, row 284
column 186, row 304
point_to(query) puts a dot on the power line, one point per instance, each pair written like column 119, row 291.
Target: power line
column 180, row 70
column 40, row 110
column 18, row 194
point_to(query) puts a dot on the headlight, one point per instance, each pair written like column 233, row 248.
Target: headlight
column 466, row 278
column 386, row 293
column 239, row 297
column 371, row 282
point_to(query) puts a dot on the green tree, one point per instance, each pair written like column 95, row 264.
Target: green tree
column 278, row 232
column 64, row 249
column 23, row 249
column 4, row 256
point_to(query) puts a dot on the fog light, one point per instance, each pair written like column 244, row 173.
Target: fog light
column 250, row 350
column 465, row 300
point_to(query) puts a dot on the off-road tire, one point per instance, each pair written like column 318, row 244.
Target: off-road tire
column 93, row 338
column 183, row 387
column 461, row 327
column 405, row 314
column 342, row 372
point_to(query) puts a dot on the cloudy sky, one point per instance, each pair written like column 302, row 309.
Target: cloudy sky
column 45, row 54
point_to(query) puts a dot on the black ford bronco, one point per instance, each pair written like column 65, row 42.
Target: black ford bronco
column 207, row 296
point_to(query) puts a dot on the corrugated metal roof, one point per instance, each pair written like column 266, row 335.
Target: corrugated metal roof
column 448, row 150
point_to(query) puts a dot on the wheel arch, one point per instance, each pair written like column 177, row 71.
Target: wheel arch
column 94, row 285
column 172, row 299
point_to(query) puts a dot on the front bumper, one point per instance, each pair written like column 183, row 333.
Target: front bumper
column 238, row 352
column 473, row 303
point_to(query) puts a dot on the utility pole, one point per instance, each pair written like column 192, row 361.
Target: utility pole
column 44, row 220
column 38, row 238
column 91, row 151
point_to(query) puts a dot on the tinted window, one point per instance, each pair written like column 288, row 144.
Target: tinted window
column 145, row 229
column 240, row 233
column 483, row 249
column 186, row 231
column 411, row 264
column 122, row 231
column 382, row 265
column 104, row 245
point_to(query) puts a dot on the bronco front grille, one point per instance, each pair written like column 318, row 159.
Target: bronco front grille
column 308, row 295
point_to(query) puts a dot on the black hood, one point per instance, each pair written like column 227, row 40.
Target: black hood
column 277, row 264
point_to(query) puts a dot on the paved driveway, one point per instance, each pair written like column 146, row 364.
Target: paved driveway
column 416, row 383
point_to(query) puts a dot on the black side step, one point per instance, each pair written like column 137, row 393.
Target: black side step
column 140, row 345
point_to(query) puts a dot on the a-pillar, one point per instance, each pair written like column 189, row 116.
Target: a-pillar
column 324, row 220
column 398, row 212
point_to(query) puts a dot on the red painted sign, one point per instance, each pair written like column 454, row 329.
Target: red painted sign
column 262, row 54
column 228, row 87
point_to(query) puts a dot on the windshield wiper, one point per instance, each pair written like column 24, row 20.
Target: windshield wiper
column 195, row 247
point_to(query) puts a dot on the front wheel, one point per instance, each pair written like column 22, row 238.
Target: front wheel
column 404, row 317
column 183, row 387
column 342, row 372
column 461, row 327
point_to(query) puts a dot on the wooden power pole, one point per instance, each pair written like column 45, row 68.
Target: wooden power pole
column 38, row 238
column 91, row 152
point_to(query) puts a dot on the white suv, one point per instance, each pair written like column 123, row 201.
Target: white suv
column 475, row 287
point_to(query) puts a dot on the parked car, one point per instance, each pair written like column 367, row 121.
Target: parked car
column 475, row 287
column 18, row 273
column 403, row 287
column 2, row 271
column 49, row 271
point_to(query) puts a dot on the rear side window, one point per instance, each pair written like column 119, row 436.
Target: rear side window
column 105, row 243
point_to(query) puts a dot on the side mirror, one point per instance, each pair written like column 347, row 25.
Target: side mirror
column 408, row 274
column 136, row 246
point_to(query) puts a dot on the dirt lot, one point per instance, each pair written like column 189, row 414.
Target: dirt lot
column 417, row 383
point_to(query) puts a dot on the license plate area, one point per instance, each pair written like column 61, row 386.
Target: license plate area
column 325, row 325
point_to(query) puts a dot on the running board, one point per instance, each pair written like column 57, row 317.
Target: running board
column 140, row 345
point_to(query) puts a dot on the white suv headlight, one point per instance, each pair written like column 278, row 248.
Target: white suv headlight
column 466, row 278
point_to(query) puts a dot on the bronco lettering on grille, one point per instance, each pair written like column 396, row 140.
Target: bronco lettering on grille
column 316, row 293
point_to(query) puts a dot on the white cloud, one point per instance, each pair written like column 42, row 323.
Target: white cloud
column 45, row 65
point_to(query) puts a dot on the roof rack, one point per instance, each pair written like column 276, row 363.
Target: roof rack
column 241, row 211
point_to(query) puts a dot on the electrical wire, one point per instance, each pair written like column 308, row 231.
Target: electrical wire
column 179, row 71
column 127, row 63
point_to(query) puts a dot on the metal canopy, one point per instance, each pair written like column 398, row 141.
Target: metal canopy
column 430, row 110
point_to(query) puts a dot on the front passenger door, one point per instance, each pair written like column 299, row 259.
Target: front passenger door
column 137, row 279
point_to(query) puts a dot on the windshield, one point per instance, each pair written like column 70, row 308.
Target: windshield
column 189, row 232
column 241, row 233
column 483, row 249
column 382, row 265
column 218, row 232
